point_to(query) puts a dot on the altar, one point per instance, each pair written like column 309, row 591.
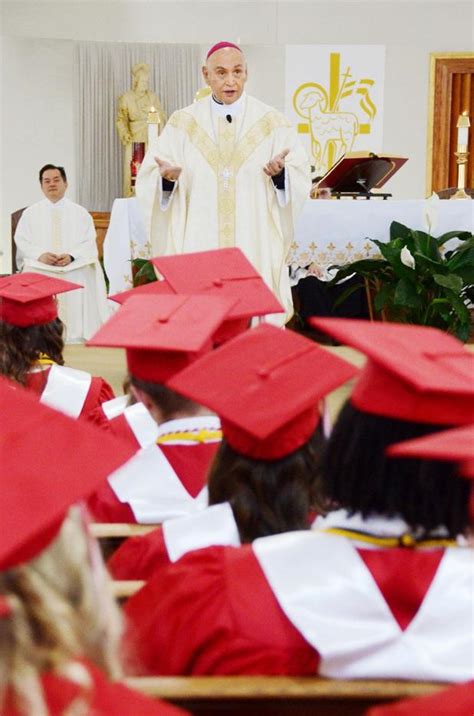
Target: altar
column 327, row 232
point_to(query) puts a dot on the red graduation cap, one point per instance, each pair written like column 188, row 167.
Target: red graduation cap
column 412, row 373
column 39, row 484
column 162, row 337
column 27, row 299
column 221, row 272
column 265, row 386
column 156, row 288
column 456, row 445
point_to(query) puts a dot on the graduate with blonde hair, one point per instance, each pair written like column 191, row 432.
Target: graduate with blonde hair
column 60, row 629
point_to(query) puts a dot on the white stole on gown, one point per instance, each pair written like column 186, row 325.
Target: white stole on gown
column 148, row 481
column 66, row 389
column 331, row 598
column 213, row 526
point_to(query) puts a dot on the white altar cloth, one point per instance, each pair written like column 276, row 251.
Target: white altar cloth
column 338, row 231
column 125, row 240
column 328, row 232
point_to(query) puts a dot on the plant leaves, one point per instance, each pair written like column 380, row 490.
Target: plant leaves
column 391, row 252
column 146, row 274
column 460, row 308
column 406, row 295
column 348, row 292
column 461, row 235
column 426, row 245
column 400, row 231
column 451, row 281
column 139, row 263
column 384, row 297
column 364, row 267
column 429, row 264
column 463, row 331
column 462, row 259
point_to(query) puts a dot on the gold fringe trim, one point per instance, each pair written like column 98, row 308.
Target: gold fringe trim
column 405, row 540
column 200, row 436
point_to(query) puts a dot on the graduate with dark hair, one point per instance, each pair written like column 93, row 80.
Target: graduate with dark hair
column 450, row 445
column 32, row 345
column 255, row 489
column 376, row 590
column 162, row 335
column 222, row 273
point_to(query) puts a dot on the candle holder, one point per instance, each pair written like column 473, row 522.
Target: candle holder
column 461, row 155
column 153, row 125
column 153, row 116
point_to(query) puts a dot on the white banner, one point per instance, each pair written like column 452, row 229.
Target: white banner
column 334, row 95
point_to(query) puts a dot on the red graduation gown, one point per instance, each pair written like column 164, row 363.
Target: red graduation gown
column 455, row 701
column 120, row 427
column 99, row 392
column 213, row 612
column 190, row 461
column 138, row 557
column 104, row 699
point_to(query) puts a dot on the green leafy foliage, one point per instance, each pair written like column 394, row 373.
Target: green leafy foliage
column 427, row 286
column 143, row 272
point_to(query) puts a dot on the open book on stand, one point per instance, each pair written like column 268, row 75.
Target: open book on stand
column 355, row 175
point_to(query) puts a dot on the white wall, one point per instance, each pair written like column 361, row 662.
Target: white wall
column 37, row 74
column 37, row 123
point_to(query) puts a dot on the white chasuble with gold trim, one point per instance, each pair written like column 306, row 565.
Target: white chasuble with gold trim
column 223, row 197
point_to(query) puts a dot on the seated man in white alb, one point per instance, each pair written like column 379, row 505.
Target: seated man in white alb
column 55, row 237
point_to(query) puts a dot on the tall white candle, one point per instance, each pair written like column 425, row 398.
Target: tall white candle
column 152, row 121
column 152, row 132
column 463, row 125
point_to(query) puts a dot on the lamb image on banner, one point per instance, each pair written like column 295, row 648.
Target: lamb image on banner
column 334, row 95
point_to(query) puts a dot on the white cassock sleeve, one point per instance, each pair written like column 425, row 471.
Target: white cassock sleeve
column 82, row 245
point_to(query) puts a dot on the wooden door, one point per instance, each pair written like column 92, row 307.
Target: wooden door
column 451, row 94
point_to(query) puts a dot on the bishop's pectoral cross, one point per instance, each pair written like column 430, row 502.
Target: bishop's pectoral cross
column 226, row 175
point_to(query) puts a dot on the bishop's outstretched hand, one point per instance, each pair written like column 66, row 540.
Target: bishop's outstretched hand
column 277, row 164
column 167, row 170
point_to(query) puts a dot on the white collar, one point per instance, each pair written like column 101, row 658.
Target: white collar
column 56, row 204
column 197, row 422
column 222, row 110
column 376, row 525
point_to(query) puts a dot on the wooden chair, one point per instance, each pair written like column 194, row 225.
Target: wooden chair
column 15, row 218
column 277, row 695
column 101, row 222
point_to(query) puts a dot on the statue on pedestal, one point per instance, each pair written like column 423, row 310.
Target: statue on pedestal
column 133, row 109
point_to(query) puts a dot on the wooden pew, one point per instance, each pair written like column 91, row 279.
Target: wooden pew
column 104, row 530
column 112, row 534
column 277, row 695
column 124, row 588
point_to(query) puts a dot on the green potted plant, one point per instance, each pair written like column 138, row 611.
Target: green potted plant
column 415, row 281
column 142, row 272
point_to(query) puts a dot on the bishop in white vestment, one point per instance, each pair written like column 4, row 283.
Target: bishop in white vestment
column 227, row 171
column 57, row 238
